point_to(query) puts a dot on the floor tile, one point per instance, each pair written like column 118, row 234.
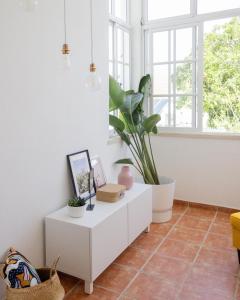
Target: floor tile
column 67, row 281
column 187, row 235
column 223, row 217
column 218, row 242
column 115, row 278
column 221, row 228
column 147, row 287
column 147, row 241
column 133, row 257
column 98, row 294
column 194, row 223
column 169, row 269
column 223, row 261
column 202, row 205
column 179, row 249
column 175, row 218
column 202, row 213
column 238, row 292
column 161, row 229
column 205, row 278
column 179, row 208
column 189, row 292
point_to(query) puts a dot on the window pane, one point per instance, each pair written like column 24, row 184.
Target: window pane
column 120, row 45
column 206, row 6
column 126, row 47
column 184, row 111
column 160, row 47
column 160, row 106
column 110, row 42
column 184, row 44
column 160, row 80
column 126, row 77
column 121, row 9
column 163, row 9
column 184, row 78
column 120, row 74
column 221, row 84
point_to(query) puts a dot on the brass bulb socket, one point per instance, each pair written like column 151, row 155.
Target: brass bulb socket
column 93, row 67
column 65, row 49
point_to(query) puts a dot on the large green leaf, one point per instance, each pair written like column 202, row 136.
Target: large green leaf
column 150, row 123
column 116, row 94
column 145, row 88
column 130, row 103
column 124, row 161
column 116, row 123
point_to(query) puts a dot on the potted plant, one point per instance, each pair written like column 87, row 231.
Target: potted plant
column 76, row 207
column 135, row 130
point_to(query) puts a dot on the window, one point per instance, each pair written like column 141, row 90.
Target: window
column 206, row 6
column 119, row 42
column 157, row 9
column 119, row 45
column 194, row 60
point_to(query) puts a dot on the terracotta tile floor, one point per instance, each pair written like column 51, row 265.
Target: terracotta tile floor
column 189, row 258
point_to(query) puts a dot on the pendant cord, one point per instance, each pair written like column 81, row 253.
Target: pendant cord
column 91, row 17
column 65, row 22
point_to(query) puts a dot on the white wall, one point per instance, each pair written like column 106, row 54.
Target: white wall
column 46, row 113
column 207, row 170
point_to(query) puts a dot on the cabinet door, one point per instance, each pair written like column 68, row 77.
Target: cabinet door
column 108, row 240
column 139, row 214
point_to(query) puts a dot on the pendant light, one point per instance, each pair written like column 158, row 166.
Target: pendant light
column 66, row 52
column 93, row 80
column 29, row 5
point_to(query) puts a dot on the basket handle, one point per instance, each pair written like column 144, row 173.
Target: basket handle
column 54, row 267
column 1, row 270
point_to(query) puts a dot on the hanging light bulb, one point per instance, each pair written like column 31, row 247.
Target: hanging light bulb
column 93, row 81
column 66, row 52
column 29, row 5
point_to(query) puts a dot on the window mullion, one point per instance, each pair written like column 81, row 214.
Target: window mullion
column 194, row 44
column 200, row 76
column 174, row 76
column 169, row 79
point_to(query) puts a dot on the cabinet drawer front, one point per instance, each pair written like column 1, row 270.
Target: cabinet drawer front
column 139, row 214
column 108, row 240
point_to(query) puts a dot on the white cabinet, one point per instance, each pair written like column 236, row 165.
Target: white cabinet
column 88, row 245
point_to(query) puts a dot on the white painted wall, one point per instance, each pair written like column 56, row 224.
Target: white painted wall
column 46, row 113
column 207, row 170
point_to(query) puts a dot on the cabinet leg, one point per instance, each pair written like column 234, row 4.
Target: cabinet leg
column 147, row 230
column 88, row 287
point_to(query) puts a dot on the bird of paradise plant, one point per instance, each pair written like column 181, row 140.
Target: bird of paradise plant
column 134, row 127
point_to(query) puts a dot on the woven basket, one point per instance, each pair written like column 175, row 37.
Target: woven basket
column 49, row 289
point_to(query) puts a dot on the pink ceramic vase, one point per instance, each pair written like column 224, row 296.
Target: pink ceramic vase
column 125, row 177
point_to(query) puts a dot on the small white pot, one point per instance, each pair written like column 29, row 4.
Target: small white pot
column 163, row 195
column 76, row 212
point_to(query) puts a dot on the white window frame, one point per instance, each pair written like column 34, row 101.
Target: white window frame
column 190, row 20
column 116, row 24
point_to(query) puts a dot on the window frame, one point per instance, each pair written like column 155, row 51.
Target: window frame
column 173, row 23
column 116, row 24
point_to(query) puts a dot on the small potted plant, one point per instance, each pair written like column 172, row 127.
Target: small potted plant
column 76, row 207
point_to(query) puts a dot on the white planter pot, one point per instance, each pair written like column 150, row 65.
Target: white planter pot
column 76, row 212
column 163, row 195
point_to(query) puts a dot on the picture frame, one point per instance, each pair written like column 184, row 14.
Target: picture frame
column 99, row 175
column 80, row 166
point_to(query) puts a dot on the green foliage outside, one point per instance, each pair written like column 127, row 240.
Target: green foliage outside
column 221, row 86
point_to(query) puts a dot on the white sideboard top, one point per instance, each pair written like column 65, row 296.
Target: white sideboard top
column 101, row 210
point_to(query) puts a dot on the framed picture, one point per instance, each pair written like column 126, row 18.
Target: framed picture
column 99, row 176
column 80, row 166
